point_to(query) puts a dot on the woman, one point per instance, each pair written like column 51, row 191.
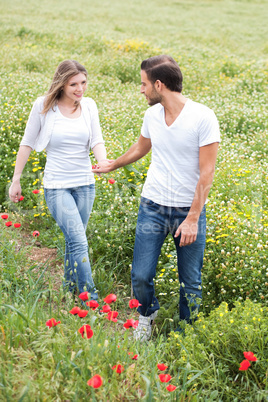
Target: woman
column 67, row 125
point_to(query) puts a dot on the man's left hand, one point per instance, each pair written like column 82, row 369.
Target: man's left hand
column 188, row 232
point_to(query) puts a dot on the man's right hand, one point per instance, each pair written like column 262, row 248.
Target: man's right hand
column 104, row 166
column 135, row 152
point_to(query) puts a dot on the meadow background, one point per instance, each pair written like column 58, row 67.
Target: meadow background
column 222, row 49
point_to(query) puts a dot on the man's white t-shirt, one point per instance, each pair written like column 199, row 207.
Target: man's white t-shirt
column 174, row 170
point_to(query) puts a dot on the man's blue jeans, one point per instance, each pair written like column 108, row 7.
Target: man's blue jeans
column 154, row 223
column 71, row 208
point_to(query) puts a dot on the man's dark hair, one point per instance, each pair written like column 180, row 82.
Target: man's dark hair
column 165, row 69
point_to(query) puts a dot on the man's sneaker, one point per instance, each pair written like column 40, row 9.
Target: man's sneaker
column 144, row 329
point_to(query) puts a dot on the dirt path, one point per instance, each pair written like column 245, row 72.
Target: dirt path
column 42, row 257
column 49, row 256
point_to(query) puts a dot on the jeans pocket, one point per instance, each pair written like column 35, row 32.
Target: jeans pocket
column 150, row 207
column 146, row 201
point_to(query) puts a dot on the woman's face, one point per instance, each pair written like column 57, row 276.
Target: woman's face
column 75, row 88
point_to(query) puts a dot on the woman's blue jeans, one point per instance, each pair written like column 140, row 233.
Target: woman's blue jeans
column 71, row 208
column 154, row 223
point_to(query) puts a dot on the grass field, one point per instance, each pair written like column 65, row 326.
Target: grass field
column 235, row 27
column 222, row 49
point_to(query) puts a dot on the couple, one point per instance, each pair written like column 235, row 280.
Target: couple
column 184, row 138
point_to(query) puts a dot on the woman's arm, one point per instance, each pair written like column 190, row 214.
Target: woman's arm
column 100, row 152
column 22, row 158
column 33, row 125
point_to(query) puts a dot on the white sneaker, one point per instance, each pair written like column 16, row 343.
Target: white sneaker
column 144, row 329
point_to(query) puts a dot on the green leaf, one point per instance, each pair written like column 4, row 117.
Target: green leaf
column 17, row 311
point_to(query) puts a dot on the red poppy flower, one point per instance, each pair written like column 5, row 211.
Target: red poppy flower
column 17, row 225
column 82, row 313
column 94, row 166
column 93, row 304
column 118, row 368
column 4, row 216
column 86, row 329
column 110, row 298
column 171, row 388
column 9, row 223
column 96, row 381
column 130, row 323
column 36, row 191
column 244, row 365
column 111, row 181
column 21, row 198
column 52, row 323
column 83, row 296
column 162, row 367
column 135, row 357
column 105, row 309
column 133, row 303
column 75, row 310
column 112, row 316
column 36, row 233
column 248, row 355
column 164, row 377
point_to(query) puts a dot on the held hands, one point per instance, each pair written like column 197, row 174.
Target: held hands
column 103, row 166
column 15, row 192
column 188, row 231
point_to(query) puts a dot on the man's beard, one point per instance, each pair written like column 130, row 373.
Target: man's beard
column 154, row 98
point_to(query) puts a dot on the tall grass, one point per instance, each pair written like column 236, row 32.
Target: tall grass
column 222, row 50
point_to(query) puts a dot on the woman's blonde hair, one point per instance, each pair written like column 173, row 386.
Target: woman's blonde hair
column 65, row 70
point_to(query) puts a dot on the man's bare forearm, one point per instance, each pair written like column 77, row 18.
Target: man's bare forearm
column 201, row 193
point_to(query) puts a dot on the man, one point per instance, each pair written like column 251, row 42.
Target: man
column 184, row 138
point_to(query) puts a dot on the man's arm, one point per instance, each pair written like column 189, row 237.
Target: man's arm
column 135, row 152
column 207, row 160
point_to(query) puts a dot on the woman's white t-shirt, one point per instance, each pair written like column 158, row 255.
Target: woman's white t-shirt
column 174, row 169
column 68, row 163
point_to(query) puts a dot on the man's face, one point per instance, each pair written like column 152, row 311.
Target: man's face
column 148, row 89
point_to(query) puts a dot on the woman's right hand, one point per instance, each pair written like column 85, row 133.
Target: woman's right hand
column 15, row 191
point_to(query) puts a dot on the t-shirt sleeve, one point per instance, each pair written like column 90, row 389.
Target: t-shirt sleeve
column 144, row 129
column 209, row 131
column 95, row 125
column 33, row 125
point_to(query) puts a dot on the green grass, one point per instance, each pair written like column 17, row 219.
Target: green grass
column 222, row 48
column 231, row 27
